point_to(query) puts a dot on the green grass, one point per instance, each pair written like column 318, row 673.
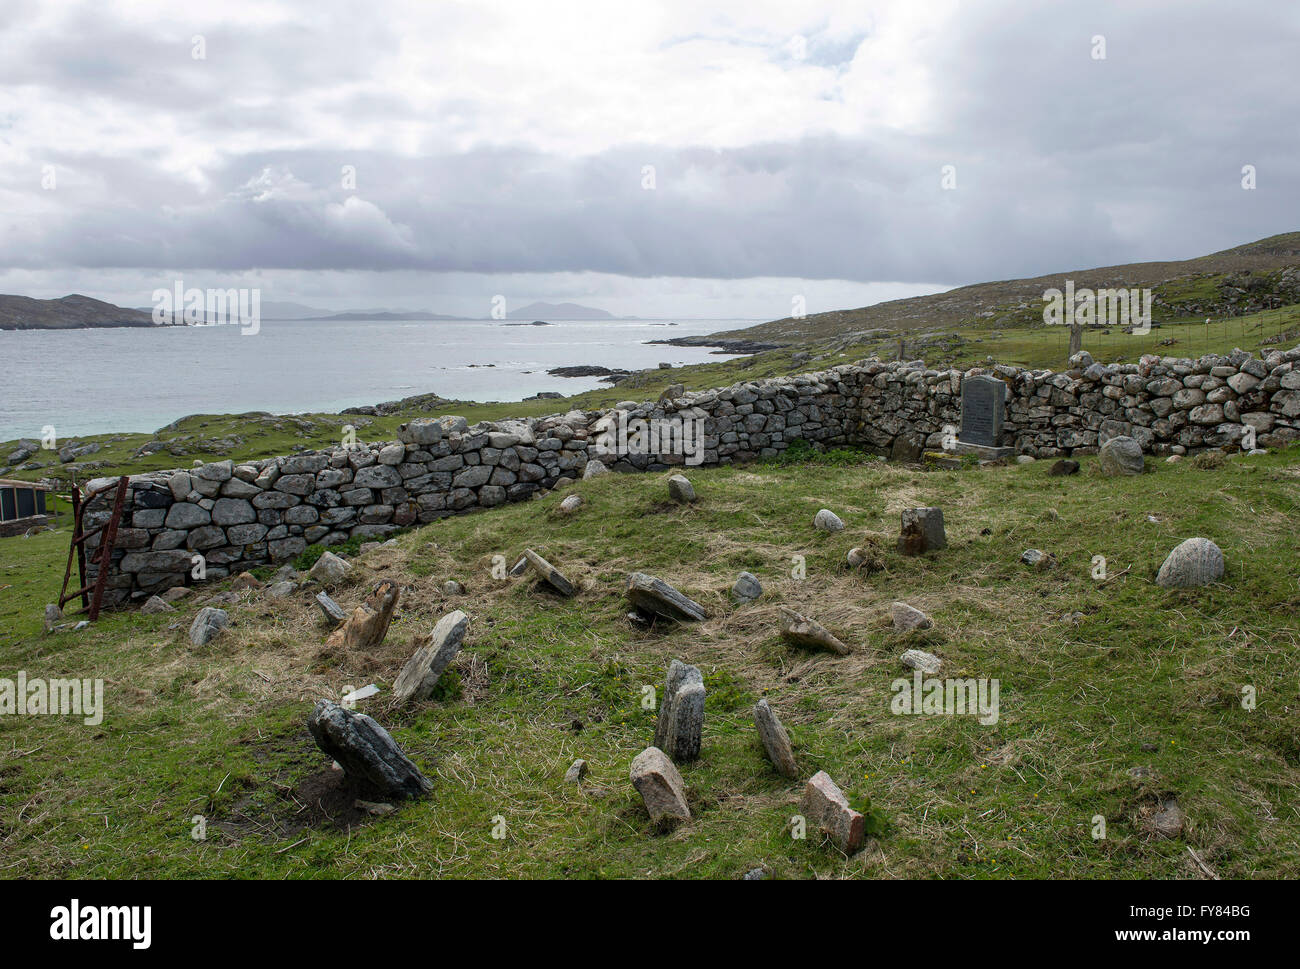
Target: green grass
column 219, row 731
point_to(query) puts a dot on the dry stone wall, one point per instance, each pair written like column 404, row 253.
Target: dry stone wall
column 239, row 516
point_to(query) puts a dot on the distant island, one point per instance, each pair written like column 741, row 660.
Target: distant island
column 75, row 312
column 78, row 312
column 562, row 311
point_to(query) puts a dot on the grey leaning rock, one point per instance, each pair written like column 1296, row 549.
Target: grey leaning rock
column 207, row 625
column 420, row 674
column 660, row 785
column 550, row 574
column 1195, row 562
column 365, row 750
column 576, row 772
column 775, row 740
column 681, row 712
column 656, row 596
column 1121, row 456
column 331, row 610
column 802, row 631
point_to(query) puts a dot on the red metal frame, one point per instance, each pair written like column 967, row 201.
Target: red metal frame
column 92, row 597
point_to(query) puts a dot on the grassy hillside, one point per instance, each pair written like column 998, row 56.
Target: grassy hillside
column 1147, row 678
column 1018, row 302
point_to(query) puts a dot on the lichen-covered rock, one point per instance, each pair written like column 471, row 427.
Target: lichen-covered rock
column 1120, row 456
column 365, row 750
column 826, row 809
column 681, row 713
column 207, row 625
column 827, row 521
column 681, row 490
column 660, row 785
column 775, row 740
column 420, row 674
column 330, row 569
column 1195, row 562
column 659, row 598
column 747, row 588
column 906, row 618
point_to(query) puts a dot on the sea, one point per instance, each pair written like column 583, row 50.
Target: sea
column 84, row 382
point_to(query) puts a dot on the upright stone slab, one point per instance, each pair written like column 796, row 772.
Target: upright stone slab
column 983, row 402
column 776, row 742
column 826, row 808
column 681, row 713
column 420, row 674
column 660, row 785
column 922, row 531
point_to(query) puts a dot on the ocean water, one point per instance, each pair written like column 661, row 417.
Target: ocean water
column 96, row 381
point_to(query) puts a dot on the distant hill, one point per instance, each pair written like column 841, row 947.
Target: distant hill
column 1018, row 300
column 66, row 313
column 561, row 311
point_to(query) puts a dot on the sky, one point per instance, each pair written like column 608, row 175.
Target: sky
column 653, row 158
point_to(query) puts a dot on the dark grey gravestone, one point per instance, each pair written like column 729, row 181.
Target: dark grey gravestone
column 983, row 400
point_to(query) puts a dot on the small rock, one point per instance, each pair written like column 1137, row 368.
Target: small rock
column 576, row 772
column 1064, row 467
column 593, row 469
column 917, row 659
column 1025, row 459
column 245, row 580
column 660, row 785
column 207, row 625
column 679, row 489
column 775, row 739
column 280, row 590
column 176, row 593
column 827, row 521
column 378, row 809
column 906, row 618
column 365, row 750
column 754, row 875
column 1196, row 562
column 330, row 569
column 571, row 504
column 154, row 605
column 805, row 632
column 452, row 588
column 1038, row 559
column 52, row 616
column 1169, row 820
column 747, row 588
column 827, row 809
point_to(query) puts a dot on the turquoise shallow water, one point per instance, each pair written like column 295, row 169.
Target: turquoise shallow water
column 96, row 381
